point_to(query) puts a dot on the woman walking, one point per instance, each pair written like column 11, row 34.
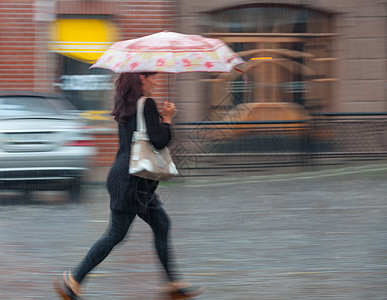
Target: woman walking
column 132, row 196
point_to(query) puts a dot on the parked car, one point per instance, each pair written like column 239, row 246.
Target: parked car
column 44, row 145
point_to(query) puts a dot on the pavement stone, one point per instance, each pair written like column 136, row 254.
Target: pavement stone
column 309, row 236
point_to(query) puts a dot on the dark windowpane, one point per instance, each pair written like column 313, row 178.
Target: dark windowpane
column 269, row 20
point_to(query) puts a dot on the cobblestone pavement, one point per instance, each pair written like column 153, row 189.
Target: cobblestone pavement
column 292, row 237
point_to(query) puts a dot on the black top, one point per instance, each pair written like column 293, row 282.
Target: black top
column 129, row 193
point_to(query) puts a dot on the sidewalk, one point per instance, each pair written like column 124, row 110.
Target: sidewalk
column 315, row 236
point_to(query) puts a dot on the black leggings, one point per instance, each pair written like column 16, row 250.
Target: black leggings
column 118, row 227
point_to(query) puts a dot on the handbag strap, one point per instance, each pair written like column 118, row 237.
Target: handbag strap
column 141, row 127
column 140, row 133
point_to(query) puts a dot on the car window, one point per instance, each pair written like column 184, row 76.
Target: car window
column 22, row 106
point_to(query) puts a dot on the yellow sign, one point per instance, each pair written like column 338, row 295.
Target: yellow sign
column 82, row 39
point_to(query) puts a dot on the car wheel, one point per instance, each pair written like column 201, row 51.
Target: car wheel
column 74, row 190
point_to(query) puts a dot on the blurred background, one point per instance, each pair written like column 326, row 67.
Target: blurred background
column 313, row 88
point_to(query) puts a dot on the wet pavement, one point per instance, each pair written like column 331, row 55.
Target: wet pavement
column 300, row 236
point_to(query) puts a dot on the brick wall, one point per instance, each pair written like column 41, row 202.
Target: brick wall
column 362, row 50
column 107, row 145
column 25, row 61
column 27, row 64
column 17, row 48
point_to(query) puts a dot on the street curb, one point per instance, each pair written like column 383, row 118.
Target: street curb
column 206, row 181
column 290, row 176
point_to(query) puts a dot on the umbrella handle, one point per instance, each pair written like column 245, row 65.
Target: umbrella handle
column 169, row 97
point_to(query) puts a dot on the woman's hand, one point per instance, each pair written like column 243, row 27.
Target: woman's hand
column 168, row 112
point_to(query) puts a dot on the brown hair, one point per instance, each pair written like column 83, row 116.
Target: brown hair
column 128, row 90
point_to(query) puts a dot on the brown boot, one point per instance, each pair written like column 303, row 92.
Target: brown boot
column 64, row 288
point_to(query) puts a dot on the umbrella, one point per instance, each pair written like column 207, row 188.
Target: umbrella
column 169, row 52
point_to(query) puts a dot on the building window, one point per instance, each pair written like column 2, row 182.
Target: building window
column 86, row 88
column 288, row 55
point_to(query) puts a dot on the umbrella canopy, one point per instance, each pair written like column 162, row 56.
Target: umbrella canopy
column 169, row 52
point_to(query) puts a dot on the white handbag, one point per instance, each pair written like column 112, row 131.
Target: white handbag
column 146, row 161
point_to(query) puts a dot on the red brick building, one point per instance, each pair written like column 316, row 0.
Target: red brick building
column 27, row 58
column 37, row 54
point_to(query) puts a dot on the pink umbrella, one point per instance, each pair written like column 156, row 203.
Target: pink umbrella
column 169, row 52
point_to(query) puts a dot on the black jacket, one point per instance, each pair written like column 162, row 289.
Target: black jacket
column 129, row 193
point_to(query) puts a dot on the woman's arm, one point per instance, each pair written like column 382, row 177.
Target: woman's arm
column 159, row 133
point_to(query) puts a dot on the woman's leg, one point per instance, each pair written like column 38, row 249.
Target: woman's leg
column 158, row 220
column 115, row 233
